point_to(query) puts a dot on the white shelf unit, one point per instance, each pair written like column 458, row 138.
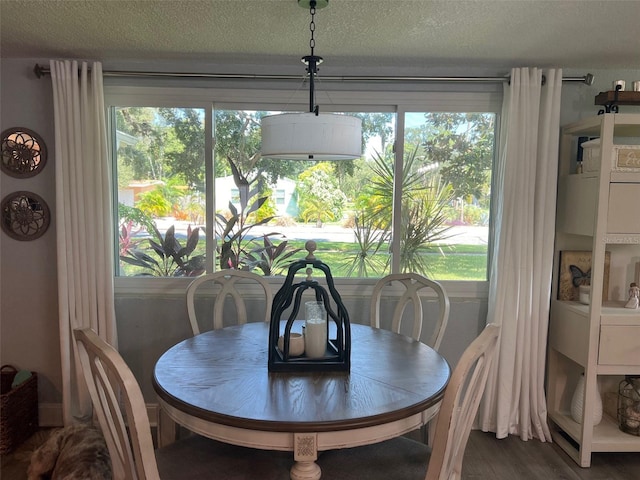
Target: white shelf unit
column 597, row 211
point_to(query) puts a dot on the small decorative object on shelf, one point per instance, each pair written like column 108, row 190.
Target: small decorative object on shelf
column 577, row 403
column 584, row 294
column 619, row 85
column 24, row 153
column 634, row 296
column 575, row 271
column 629, row 405
column 321, row 352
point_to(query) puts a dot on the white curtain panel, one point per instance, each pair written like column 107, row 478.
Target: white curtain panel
column 520, row 278
column 83, row 220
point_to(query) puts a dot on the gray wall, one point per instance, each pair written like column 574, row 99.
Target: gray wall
column 28, row 275
column 147, row 325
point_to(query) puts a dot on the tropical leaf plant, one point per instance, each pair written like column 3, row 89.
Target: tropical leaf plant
column 272, row 259
column 236, row 243
column 172, row 258
column 127, row 236
column 133, row 221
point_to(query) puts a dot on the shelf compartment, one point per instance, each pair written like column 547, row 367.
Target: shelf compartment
column 607, row 437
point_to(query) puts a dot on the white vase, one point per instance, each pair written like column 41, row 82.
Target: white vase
column 578, row 399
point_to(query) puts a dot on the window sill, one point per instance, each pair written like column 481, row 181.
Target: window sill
column 348, row 288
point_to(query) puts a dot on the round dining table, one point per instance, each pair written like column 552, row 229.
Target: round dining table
column 217, row 384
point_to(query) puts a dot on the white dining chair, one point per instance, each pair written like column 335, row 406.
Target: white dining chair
column 404, row 458
column 120, row 408
column 225, row 283
column 404, row 290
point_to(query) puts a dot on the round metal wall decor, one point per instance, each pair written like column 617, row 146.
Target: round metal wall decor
column 24, row 153
column 25, row 216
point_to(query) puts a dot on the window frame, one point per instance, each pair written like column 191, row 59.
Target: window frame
column 344, row 98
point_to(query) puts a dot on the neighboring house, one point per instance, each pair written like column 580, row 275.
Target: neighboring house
column 283, row 195
column 130, row 194
column 283, row 192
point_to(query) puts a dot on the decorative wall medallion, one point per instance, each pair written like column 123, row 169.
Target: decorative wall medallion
column 24, row 153
column 25, row 216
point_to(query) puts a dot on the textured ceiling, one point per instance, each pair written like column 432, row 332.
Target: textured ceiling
column 379, row 33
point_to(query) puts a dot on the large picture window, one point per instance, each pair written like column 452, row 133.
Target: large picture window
column 417, row 200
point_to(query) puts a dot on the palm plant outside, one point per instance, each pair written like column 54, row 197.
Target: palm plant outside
column 424, row 222
column 370, row 259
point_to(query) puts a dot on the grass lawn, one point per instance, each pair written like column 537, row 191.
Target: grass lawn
column 446, row 262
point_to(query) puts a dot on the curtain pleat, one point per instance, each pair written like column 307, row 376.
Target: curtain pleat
column 84, row 226
column 523, row 236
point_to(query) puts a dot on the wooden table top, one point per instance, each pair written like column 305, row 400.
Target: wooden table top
column 221, row 376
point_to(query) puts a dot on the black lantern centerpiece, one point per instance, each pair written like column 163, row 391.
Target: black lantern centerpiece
column 336, row 338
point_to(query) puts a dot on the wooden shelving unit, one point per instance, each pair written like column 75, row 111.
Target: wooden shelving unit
column 597, row 211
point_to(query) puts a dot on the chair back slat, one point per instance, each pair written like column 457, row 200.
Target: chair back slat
column 412, row 285
column 227, row 282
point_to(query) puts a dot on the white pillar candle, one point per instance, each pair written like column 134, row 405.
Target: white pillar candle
column 315, row 338
column 315, row 332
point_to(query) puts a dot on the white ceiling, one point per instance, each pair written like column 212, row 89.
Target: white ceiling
column 585, row 34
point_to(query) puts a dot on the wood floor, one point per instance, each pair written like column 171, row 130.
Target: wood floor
column 512, row 459
column 485, row 458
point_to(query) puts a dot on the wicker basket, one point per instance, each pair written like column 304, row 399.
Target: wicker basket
column 18, row 409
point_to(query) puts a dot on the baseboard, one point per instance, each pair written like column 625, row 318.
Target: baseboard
column 50, row 414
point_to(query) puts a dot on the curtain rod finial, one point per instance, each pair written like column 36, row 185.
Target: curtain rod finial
column 588, row 79
column 39, row 71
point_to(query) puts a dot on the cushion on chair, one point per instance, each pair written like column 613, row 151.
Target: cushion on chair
column 200, row 458
column 399, row 458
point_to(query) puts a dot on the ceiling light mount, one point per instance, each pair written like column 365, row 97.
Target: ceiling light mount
column 308, row 4
column 312, row 61
column 311, row 136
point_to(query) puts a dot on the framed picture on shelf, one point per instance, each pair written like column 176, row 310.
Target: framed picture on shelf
column 575, row 270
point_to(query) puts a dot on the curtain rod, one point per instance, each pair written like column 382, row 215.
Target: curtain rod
column 41, row 71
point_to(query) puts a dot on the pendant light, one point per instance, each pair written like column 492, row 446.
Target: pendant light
column 312, row 135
